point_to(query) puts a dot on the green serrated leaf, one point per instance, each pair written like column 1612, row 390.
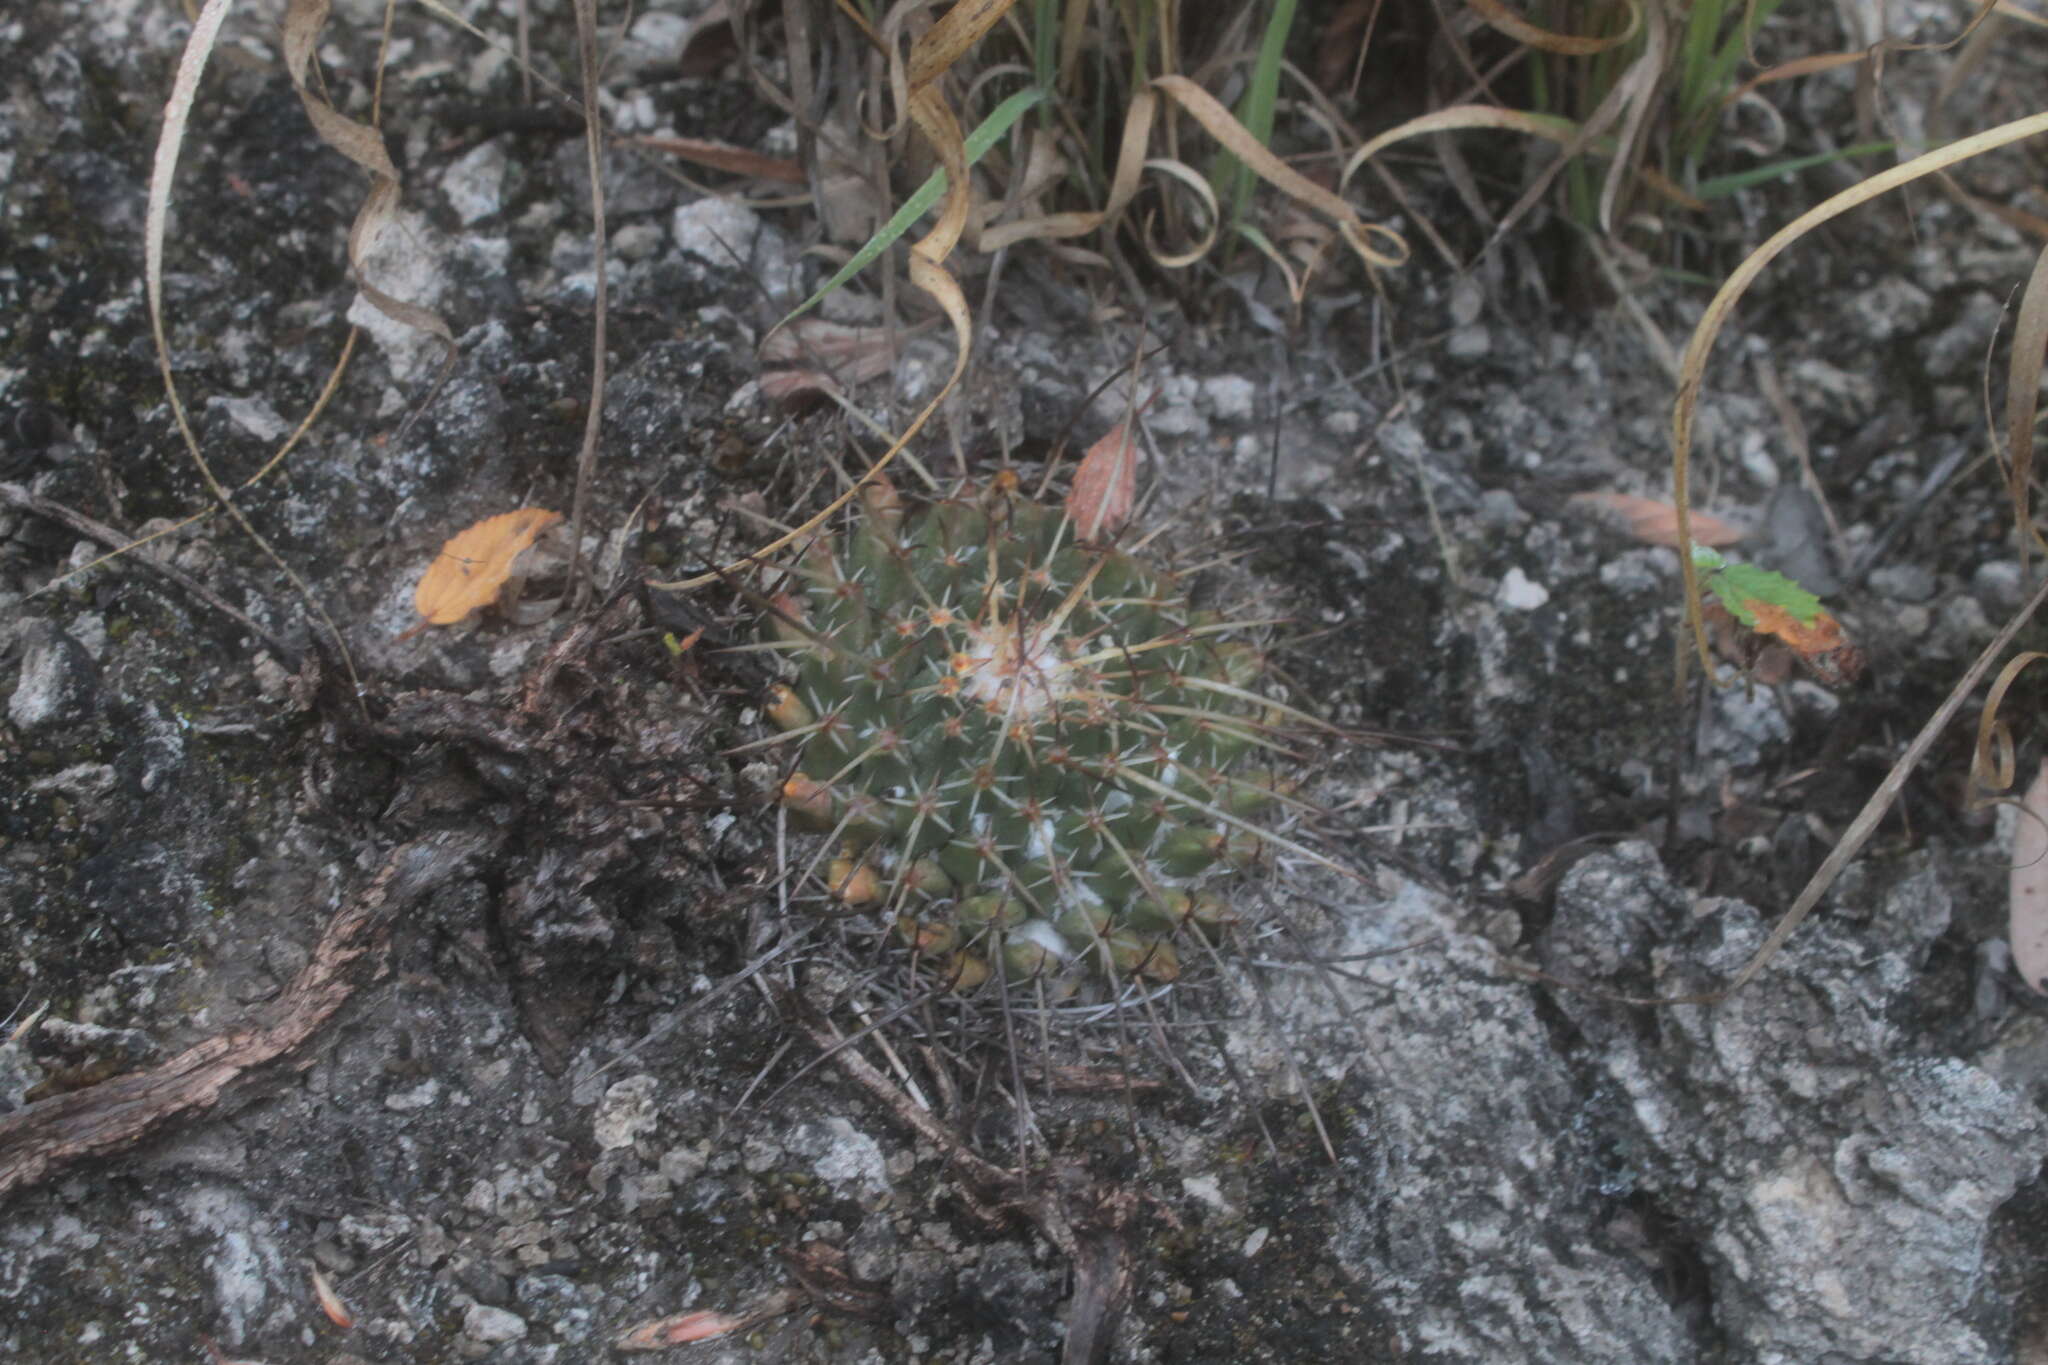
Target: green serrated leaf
column 1738, row 585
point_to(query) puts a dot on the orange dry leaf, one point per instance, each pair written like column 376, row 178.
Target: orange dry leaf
column 330, row 1302
column 471, row 569
column 1820, row 643
column 1656, row 523
column 1822, row 635
column 662, row 1333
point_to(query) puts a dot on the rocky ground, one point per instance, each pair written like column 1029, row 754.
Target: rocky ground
column 501, row 1023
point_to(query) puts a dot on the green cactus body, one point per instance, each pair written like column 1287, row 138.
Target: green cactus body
column 1026, row 749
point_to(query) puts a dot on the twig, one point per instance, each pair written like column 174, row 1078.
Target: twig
column 110, row 1117
column 593, row 424
column 14, row 495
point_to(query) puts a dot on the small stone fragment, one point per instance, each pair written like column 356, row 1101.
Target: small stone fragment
column 625, row 1113
column 1520, row 593
column 57, row 684
column 485, row 1323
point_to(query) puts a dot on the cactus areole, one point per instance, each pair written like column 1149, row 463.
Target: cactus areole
column 1024, row 750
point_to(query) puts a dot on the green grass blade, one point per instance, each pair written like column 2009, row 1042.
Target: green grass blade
column 1045, row 42
column 985, row 136
column 1233, row 181
column 1722, row 186
column 1696, row 52
column 1720, row 72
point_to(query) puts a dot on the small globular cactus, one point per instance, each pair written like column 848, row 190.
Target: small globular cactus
column 1027, row 752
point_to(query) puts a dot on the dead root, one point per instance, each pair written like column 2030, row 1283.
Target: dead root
column 116, row 1115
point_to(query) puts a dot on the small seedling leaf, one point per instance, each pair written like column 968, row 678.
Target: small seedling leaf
column 1774, row 606
column 1744, row 589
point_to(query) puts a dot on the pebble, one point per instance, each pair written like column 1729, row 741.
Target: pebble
column 760, row 1154
column 1887, row 308
column 1519, row 593
column 1230, row 396
column 485, row 1323
column 475, row 184
column 1903, row 582
column 1469, row 343
column 720, row 232
column 637, row 241
column 57, row 685
column 1498, row 510
column 626, row 1112
column 1467, row 300
column 644, row 1190
column 419, row 1097
column 1999, row 584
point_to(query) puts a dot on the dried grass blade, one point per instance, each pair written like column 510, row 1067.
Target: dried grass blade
column 364, row 145
column 935, row 121
column 593, row 422
column 1217, row 121
column 1992, row 766
column 2027, row 890
column 1123, row 187
column 2022, row 394
column 1638, row 90
column 1499, row 17
column 163, row 171
column 1463, row 116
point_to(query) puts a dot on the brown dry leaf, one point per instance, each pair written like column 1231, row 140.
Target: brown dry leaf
column 786, row 387
column 2029, row 894
column 1105, row 485
column 853, row 354
column 1656, row 523
column 721, row 156
column 472, row 568
column 713, row 30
